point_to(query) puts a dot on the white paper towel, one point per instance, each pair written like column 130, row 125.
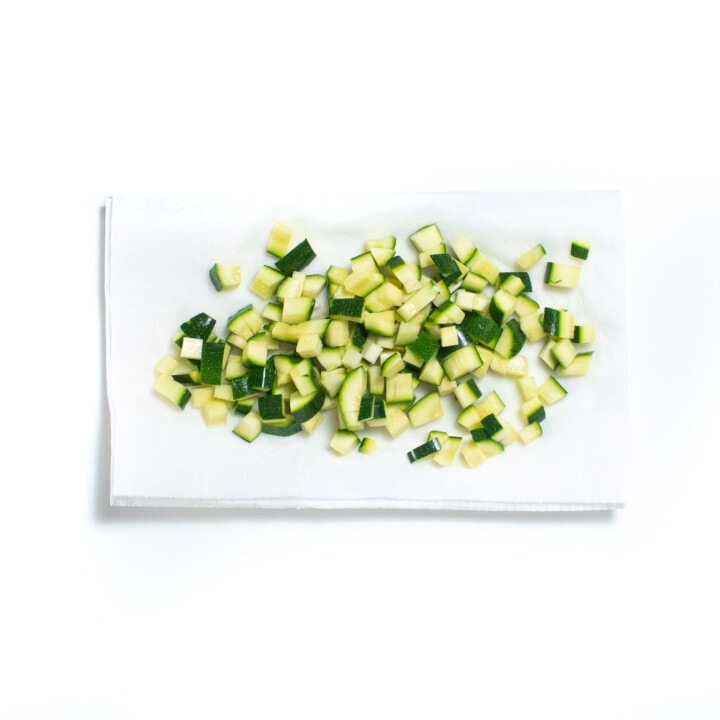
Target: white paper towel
column 158, row 253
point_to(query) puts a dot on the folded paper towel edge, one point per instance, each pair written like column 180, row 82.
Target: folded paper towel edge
column 374, row 503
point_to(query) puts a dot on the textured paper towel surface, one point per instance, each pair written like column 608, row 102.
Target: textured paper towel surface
column 158, row 254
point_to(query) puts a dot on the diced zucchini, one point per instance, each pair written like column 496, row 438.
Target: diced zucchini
column 211, row 362
column 532, row 410
column 198, row 326
column 347, row 309
column 530, row 432
column 562, row 275
column 271, row 407
column 424, row 346
column 467, row 393
column 584, row 334
column 368, row 446
column 511, row 340
column 426, row 237
column 481, row 329
column 191, row 348
column 266, row 281
column 417, row 302
column 580, row 249
column 344, row 441
column 427, row 449
column 405, row 273
column 296, row 259
column 463, row 361
column 225, row 277
column 249, row 427
column 172, row 390
column 427, row 409
column 214, row 413
column 551, row 391
column 279, row 240
column 532, row 256
column 400, row 388
column 449, row 445
column 579, row 366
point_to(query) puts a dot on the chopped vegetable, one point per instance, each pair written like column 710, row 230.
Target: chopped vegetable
column 377, row 345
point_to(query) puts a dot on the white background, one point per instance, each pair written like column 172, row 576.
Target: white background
column 215, row 614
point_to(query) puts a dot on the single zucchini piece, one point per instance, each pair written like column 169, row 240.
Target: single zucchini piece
column 424, row 346
column 198, row 326
column 249, row 427
column 400, row 389
column 189, row 378
column 481, row 329
column 516, row 366
column 479, row 264
column 462, row 361
column 266, row 282
column 564, row 352
column 472, row 454
column 350, row 394
column 191, row 348
column 214, row 413
column 551, row 391
column 282, row 428
column 502, row 306
column 584, row 334
column 271, row 407
column 580, row 249
column 172, row 390
column 347, row 309
column 448, row 336
column 313, row 285
column 404, row 273
column 508, row 281
column 304, row 407
column 344, row 441
column 365, row 411
column 530, row 432
column 279, row 240
column 579, row 366
column 532, row 410
column 225, row 277
column 467, row 393
column 426, row 238
column 255, row 352
column 427, row 409
column 368, row 446
column 166, row 365
column 532, row 256
column 241, row 388
column 242, row 407
column 432, row 372
column 558, row 323
column 211, row 363
column 362, row 282
column 382, row 323
column 309, row 346
column 473, row 282
column 511, row 340
column 449, row 445
column 447, row 267
column 423, row 451
column 447, row 313
column 392, row 365
column 296, row 259
column 262, row 378
column 418, row 301
column 562, row 275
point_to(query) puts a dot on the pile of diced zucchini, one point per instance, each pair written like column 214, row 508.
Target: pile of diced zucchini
column 385, row 343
